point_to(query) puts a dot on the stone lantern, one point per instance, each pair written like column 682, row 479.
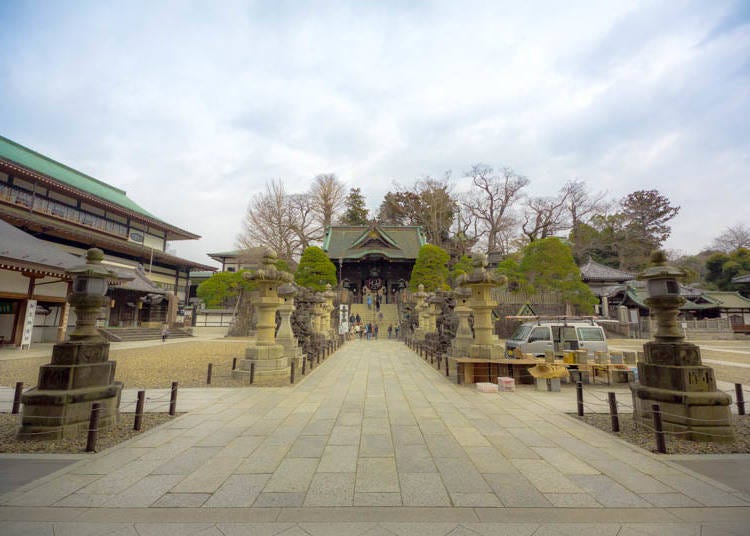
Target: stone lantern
column 79, row 373
column 420, row 308
column 285, row 334
column 672, row 373
column 328, row 296
column 480, row 282
column 464, row 336
column 266, row 353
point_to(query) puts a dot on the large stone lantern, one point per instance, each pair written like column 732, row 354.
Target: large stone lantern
column 328, row 296
column 267, row 355
column 79, row 372
column 285, row 334
column 421, row 309
column 672, row 373
column 480, row 283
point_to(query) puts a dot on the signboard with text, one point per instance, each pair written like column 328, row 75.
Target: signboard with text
column 28, row 323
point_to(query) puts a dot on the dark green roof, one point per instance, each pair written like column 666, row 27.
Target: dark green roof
column 355, row 242
column 25, row 157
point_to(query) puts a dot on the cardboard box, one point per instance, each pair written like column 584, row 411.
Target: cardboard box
column 505, row 384
column 485, row 387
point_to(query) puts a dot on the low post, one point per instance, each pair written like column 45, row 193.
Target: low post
column 291, row 371
column 661, row 445
column 93, row 427
column 317, row 356
column 737, row 389
column 173, row 399
column 304, row 365
column 447, row 371
column 234, row 363
column 579, row 397
column 138, row 421
column 209, row 373
column 312, row 362
column 439, row 360
column 252, row 372
column 17, row 398
column 613, row 415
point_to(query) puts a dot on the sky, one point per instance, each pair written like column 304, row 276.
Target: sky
column 192, row 107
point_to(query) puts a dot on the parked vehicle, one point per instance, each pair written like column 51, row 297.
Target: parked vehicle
column 557, row 335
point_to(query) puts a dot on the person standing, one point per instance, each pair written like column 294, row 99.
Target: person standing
column 396, row 330
column 369, row 302
column 359, row 319
column 390, row 330
column 164, row 333
column 376, row 328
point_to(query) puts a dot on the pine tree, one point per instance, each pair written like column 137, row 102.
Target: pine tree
column 356, row 212
column 430, row 269
column 315, row 269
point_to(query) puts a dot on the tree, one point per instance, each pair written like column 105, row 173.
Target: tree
column 315, row 270
column 430, row 269
column 733, row 238
column 462, row 266
column 222, row 288
column 328, row 196
column 722, row 267
column 492, row 203
column 581, row 205
column 646, row 214
column 548, row 265
column 356, row 212
column 269, row 222
column 544, row 216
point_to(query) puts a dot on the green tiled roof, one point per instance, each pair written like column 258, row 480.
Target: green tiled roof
column 18, row 154
column 392, row 241
column 728, row 300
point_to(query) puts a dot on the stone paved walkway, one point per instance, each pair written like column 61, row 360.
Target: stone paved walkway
column 375, row 441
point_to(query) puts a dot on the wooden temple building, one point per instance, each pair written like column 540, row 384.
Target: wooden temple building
column 375, row 259
column 59, row 209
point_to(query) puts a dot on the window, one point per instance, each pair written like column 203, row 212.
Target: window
column 590, row 334
column 539, row 334
column 520, row 333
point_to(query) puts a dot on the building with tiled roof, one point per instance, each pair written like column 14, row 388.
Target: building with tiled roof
column 73, row 211
column 604, row 282
column 375, row 258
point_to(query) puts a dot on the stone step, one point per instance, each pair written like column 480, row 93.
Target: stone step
column 140, row 334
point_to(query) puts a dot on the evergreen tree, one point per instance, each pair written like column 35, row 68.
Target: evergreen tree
column 315, row 269
column 222, row 288
column 356, row 212
column 462, row 266
column 430, row 269
column 547, row 265
column 722, row 267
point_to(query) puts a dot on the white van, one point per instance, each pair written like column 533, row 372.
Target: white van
column 557, row 335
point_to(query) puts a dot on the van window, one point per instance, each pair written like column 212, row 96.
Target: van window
column 539, row 334
column 520, row 333
column 590, row 334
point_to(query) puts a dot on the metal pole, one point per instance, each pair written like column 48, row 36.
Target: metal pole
column 615, row 418
column 234, row 363
column 252, row 372
column 661, row 446
column 291, row 371
column 208, row 374
column 579, row 397
column 138, row 422
column 737, row 389
column 93, row 427
column 447, row 372
column 173, row 399
column 304, row 364
column 17, row 398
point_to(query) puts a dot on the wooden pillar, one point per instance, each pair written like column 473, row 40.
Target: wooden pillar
column 17, row 335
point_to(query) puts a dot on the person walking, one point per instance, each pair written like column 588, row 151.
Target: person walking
column 369, row 302
column 376, row 328
column 359, row 319
column 390, row 330
column 396, row 330
column 377, row 303
column 164, row 333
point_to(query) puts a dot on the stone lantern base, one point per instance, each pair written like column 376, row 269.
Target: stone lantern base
column 78, row 375
column 486, row 351
column 270, row 362
column 673, row 376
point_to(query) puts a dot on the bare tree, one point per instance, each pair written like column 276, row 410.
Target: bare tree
column 580, row 204
column 328, row 194
column 303, row 220
column 733, row 238
column 544, row 216
column 491, row 203
column 268, row 222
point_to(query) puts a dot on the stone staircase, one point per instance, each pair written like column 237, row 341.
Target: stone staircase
column 140, row 334
column 389, row 312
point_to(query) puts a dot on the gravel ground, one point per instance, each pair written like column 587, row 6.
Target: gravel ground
column 107, row 438
column 155, row 367
column 644, row 438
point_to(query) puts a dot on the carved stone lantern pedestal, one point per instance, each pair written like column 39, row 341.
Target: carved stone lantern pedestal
column 267, row 354
column 464, row 336
column 672, row 373
column 285, row 335
column 79, row 372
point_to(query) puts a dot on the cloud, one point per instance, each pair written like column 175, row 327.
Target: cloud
column 192, row 110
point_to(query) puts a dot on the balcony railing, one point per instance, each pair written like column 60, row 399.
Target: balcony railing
column 26, row 199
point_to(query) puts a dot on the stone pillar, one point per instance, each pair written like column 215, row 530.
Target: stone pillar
column 464, row 336
column 285, row 335
column 79, row 372
column 672, row 374
column 480, row 282
column 326, row 309
column 605, row 307
column 266, row 353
